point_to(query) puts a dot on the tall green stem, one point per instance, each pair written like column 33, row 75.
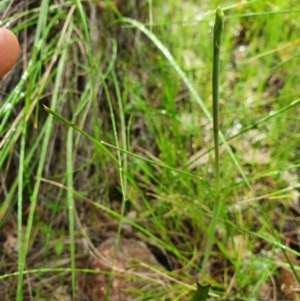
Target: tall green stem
column 217, row 39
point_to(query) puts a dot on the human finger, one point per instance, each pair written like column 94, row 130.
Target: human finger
column 9, row 50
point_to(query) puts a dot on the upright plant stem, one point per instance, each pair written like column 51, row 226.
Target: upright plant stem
column 217, row 39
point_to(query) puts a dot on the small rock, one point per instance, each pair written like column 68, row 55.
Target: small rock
column 118, row 271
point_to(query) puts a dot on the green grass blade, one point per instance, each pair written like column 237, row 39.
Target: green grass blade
column 3, row 3
column 21, row 251
column 217, row 40
column 201, row 293
column 70, row 124
column 70, row 201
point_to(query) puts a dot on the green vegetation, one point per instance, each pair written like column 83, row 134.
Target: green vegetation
column 107, row 120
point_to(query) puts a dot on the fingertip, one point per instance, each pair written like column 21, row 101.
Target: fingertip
column 9, row 50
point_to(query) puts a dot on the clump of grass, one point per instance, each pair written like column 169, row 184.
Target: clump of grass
column 142, row 139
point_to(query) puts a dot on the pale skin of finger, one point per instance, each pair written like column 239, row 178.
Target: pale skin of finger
column 9, row 50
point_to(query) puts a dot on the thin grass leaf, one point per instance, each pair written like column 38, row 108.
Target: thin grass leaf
column 201, row 293
column 3, row 3
column 70, row 124
column 70, row 201
column 217, row 41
